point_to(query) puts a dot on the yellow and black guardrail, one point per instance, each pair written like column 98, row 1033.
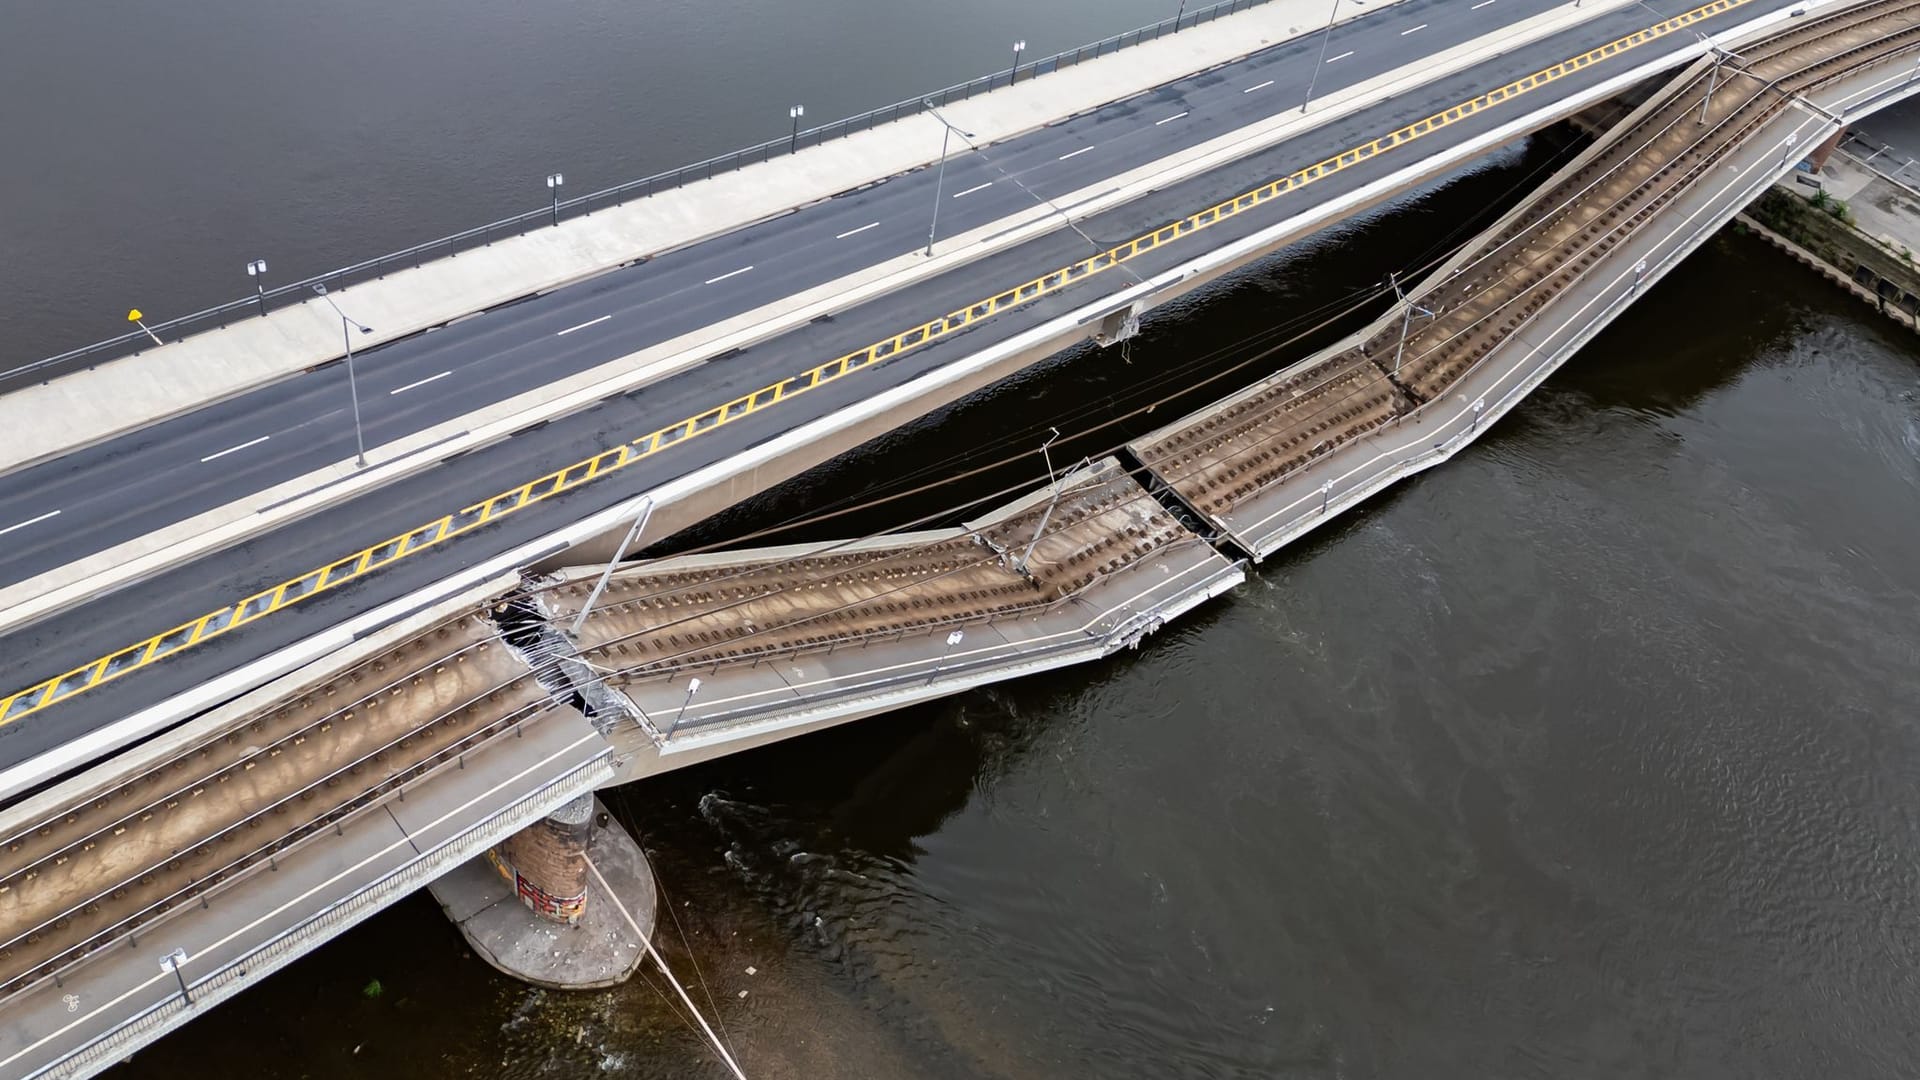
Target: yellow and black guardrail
column 51, row 692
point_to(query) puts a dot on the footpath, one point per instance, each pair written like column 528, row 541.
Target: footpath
column 87, row 407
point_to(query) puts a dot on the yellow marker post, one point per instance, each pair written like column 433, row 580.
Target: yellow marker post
column 134, row 317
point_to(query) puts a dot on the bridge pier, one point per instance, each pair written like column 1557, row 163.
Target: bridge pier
column 561, row 904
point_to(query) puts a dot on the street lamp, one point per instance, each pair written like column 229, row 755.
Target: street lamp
column 353, row 384
column 257, row 270
column 1326, row 36
column 554, row 181
column 172, row 962
column 952, row 639
column 1787, row 157
column 693, row 687
column 1018, row 48
column 794, row 114
column 940, row 177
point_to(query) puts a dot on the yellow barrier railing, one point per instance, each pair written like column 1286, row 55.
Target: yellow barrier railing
column 60, row 688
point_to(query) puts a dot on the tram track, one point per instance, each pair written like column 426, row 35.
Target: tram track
column 1255, row 441
column 104, row 868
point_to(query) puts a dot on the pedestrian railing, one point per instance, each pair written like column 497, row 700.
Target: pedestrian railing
column 580, row 206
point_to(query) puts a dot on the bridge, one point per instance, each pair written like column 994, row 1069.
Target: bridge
column 452, row 680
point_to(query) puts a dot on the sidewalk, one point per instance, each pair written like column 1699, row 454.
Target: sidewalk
column 86, row 407
column 294, row 499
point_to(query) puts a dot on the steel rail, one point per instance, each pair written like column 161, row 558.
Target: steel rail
column 58, row 818
column 63, row 687
column 206, row 882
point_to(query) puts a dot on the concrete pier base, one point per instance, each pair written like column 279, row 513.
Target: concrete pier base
column 598, row 948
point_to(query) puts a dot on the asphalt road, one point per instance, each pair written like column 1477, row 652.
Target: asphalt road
column 507, row 350
column 197, row 462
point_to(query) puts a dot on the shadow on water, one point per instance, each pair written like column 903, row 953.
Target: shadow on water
column 1189, row 353
column 1590, row 754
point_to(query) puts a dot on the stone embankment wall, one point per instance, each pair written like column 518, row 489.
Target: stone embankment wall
column 1818, row 231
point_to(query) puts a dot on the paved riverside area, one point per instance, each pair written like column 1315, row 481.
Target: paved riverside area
column 187, row 591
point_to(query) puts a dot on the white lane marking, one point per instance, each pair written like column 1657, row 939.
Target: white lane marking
column 861, row 229
column 1169, row 119
column 1342, row 56
column 423, row 382
column 1075, row 153
column 974, row 188
column 583, row 326
column 24, row 524
column 732, row 273
column 1415, row 30
column 232, row 449
column 1262, row 86
column 1481, row 4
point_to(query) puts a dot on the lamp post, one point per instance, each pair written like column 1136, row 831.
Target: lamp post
column 953, row 639
column 639, row 526
column 1313, row 77
column 1479, row 406
column 1787, row 157
column 1013, row 75
column 693, row 687
column 353, row 383
column 172, row 962
column 940, row 177
column 794, row 114
column 257, row 270
column 554, row 181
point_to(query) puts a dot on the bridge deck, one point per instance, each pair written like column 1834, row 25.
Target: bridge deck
column 837, row 629
column 1266, row 462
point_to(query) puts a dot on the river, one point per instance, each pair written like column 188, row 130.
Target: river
column 1593, row 753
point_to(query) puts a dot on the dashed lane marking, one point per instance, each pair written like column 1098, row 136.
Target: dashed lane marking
column 425, row 381
column 1169, row 119
column 974, row 188
column 584, row 325
column 856, row 232
column 159, row 648
column 1262, row 86
column 1074, row 153
column 235, row 449
column 731, row 273
column 31, row 521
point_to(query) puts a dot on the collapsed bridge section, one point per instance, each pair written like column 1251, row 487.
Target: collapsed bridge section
column 1269, row 463
column 710, row 649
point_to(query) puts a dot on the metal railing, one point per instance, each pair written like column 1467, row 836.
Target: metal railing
column 221, row 315
column 329, row 922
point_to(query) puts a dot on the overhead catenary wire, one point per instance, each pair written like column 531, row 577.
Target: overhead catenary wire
column 1526, row 226
column 1363, row 297
column 719, row 1048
